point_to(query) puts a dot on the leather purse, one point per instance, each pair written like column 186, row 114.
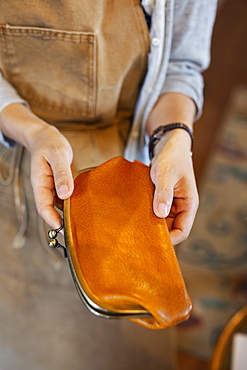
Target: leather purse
column 120, row 254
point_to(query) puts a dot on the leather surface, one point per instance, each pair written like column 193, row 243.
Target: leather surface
column 123, row 250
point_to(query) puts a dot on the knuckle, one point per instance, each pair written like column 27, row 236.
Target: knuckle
column 40, row 210
column 63, row 151
column 185, row 235
column 163, row 178
column 193, row 198
column 181, row 238
column 196, row 202
column 43, row 212
column 157, row 172
column 61, row 175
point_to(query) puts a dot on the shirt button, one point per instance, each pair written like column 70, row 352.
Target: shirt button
column 149, row 90
column 155, row 41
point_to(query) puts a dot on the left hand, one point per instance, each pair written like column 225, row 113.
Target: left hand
column 175, row 197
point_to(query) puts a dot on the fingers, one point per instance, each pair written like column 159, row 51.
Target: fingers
column 162, row 202
column 43, row 189
column 180, row 234
column 45, row 207
column 51, row 179
column 63, row 179
column 175, row 197
column 163, row 194
column 180, row 220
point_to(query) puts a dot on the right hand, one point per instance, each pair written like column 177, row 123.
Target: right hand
column 175, row 196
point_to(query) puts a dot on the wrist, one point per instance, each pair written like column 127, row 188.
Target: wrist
column 176, row 131
column 19, row 123
column 34, row 132
column 177, row 140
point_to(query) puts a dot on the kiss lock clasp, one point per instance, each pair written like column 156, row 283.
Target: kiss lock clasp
column 53, row 242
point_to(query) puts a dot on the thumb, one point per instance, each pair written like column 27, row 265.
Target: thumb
column 63, row 180
column 162, row 203
column 163, row 197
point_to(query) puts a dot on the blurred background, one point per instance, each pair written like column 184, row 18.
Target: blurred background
column 214, row 259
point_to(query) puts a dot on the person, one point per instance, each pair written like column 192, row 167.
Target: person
column 79, row 85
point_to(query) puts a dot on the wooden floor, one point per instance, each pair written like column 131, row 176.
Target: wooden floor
column 228, row 69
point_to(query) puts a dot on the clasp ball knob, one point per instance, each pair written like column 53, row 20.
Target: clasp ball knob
column 52, row 234
column 53, row 243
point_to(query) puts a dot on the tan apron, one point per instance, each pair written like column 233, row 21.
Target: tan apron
column 79, row 64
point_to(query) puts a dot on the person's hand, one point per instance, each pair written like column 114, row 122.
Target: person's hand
column 175, row 197
column 51, row 158
column 51, row 177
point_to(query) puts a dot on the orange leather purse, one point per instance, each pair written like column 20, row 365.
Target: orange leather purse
column 120, row 254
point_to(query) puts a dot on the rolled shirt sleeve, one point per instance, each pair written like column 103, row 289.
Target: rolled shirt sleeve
column 190, row 48
column 8, row 95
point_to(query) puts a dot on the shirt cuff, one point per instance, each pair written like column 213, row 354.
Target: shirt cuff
column 178, row 84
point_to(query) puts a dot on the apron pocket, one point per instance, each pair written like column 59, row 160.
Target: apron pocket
column 54, row 70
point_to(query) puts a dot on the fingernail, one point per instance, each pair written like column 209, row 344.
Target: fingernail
column 163, row 209
column 63, row 191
